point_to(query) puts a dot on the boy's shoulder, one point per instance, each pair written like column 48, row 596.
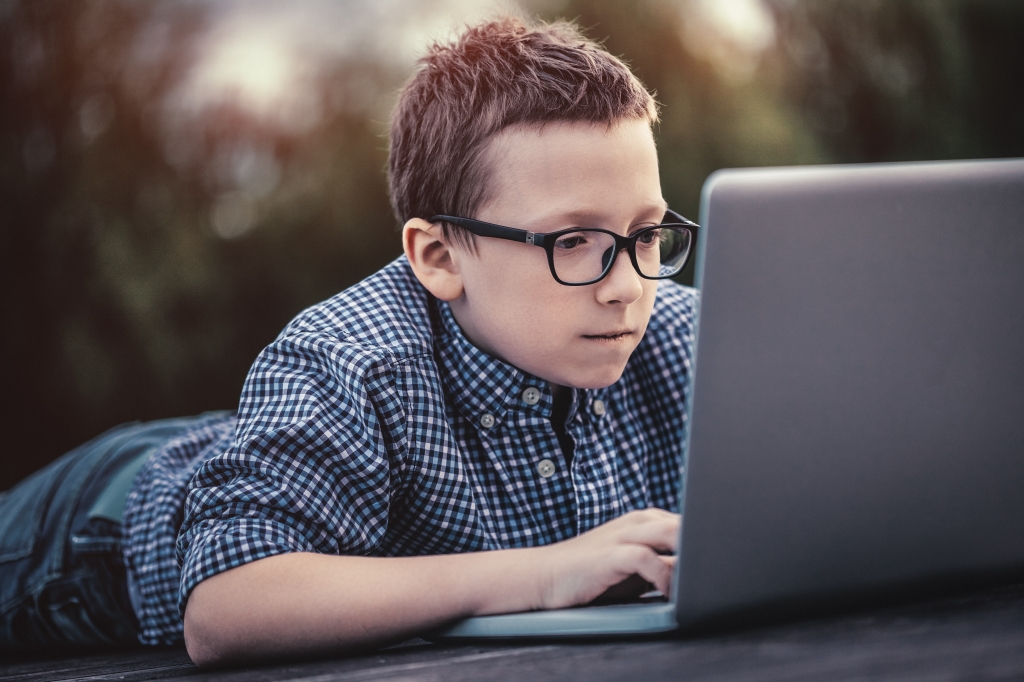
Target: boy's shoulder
column 389, row 310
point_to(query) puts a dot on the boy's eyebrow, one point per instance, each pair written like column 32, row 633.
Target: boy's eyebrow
column 585, row 217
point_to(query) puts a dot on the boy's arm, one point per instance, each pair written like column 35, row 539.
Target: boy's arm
column 307, row 603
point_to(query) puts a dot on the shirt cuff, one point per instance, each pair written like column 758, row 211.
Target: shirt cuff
column 215, row 546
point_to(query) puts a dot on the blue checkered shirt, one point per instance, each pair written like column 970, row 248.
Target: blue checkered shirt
column 371, row 426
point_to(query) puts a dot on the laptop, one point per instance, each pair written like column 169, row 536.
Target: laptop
column 857, row 413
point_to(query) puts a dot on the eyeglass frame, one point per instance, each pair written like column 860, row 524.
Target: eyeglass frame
column 546, row 240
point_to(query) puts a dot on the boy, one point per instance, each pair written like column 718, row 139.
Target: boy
column 491, row 423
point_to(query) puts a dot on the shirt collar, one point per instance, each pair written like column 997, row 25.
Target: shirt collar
column 479, row 384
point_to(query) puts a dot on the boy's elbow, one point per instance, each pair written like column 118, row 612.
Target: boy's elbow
column 205, row 638
column 200, row 646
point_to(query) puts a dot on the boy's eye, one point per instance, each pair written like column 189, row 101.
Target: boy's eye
column 649, row 238
column 571, row 241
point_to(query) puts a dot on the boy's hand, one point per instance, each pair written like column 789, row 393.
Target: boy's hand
column 581, row 569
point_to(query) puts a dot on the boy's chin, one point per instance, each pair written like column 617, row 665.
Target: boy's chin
column 595, row 380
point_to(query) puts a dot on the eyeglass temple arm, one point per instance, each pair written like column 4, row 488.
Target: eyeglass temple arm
column 482, row 229
column 673, row 217
column 479, row 227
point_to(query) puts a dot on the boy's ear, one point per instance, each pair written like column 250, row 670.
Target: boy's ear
column 431, row 259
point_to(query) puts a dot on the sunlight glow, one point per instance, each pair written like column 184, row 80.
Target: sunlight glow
column 746, row 22
column 730, row 34
column 264, row 54
column 261, row 69
column 253, row 68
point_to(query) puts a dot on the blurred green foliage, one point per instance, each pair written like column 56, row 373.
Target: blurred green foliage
column 147, row 254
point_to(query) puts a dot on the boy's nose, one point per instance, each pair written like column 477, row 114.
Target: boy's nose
column 622, row 284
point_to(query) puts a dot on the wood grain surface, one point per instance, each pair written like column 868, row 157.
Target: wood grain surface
column 973, row 637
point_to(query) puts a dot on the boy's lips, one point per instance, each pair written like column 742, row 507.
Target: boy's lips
column 610, row 336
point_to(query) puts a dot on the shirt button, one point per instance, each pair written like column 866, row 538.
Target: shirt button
column 487, row 420
column 546, row 468
column 598, row 408
column 531, row 396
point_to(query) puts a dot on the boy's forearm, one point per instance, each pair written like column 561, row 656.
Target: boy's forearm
column 303, row 602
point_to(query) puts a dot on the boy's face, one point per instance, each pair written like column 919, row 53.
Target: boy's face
column 545, row 179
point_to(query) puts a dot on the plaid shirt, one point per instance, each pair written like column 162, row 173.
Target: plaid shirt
column 371, row 426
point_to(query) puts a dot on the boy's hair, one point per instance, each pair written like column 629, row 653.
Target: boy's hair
column 497, row 74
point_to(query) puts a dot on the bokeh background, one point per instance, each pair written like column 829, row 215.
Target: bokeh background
column 179, row 178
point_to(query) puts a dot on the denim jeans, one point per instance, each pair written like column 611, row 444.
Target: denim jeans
column 62, row 575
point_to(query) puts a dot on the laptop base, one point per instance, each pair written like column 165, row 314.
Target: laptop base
column 589, row 621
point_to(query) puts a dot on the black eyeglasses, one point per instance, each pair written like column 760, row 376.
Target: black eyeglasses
column 579, row 256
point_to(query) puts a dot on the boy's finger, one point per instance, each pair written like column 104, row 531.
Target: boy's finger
column 650, row 514
column 661, row 534
column 657, row 570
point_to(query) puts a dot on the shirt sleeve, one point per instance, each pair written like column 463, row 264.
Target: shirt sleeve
column 309, row 470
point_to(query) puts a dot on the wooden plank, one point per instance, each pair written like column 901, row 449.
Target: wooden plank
column 151, row 661
column 978, row 637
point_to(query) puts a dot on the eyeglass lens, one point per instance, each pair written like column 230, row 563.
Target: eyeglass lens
column 584, row 255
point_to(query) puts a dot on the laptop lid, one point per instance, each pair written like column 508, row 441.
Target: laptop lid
column 857, row 421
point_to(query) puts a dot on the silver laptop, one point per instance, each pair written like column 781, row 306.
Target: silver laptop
column 857, row 417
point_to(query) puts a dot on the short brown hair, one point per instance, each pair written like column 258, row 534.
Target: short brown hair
column 495, row 75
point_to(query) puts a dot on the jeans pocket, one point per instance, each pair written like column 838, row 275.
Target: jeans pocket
column 68, row 623
column 89, row 606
